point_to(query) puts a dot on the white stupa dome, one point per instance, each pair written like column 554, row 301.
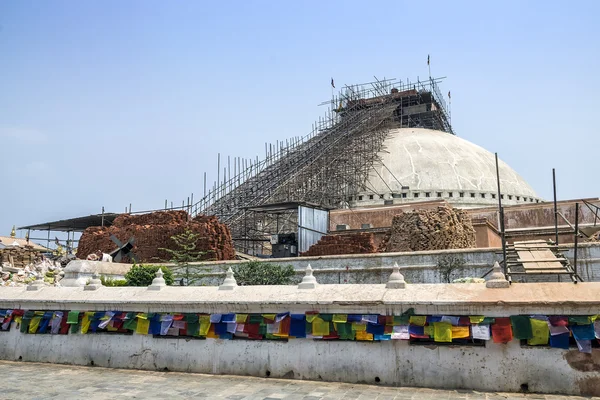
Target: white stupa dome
column 417, row 164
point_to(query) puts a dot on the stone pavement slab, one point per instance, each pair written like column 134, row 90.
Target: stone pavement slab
column 22, row 380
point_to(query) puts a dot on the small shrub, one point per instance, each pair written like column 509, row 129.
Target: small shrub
column 112, row 282
column 261, row 273
column 449, row 264
column 142, row 275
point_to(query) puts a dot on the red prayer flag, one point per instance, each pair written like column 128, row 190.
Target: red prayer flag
column 502, row 330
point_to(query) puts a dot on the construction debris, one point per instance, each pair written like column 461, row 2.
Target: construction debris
column 153, row 232
column 50, row 271
column 355, row 243
column 444, row 228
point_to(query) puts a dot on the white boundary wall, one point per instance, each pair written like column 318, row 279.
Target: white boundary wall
column 397, row 363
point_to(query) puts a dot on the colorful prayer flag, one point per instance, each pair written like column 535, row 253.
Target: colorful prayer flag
column 502, row 330
column 540, row 332
column 400, row 332
column 320, row 327
column 481, row 332
column 442, row 332
column 460, row 332
column 521, row 326
column 418, row 320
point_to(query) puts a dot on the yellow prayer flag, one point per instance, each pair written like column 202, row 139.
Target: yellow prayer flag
column 142, row 326
column 359, row 327
column 460, row 332
column 442, row 331
column 320, row 327
column 342, row 318
column 205, row 324
column 85, row 321
column 18, row 320
column 34, row 324
column 142, row 316
column 419, row 320
column 269, row 316
column 475, row 319
column 111, row 328
column 211, row 333
column 241, row 318
column 311, row 317
column 363, row 335
column 540, row 332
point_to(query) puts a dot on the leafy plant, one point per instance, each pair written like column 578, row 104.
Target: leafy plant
column 142, row 275
column 261, row 273
column 110, row 281
column 185, row 254
column 448, row 264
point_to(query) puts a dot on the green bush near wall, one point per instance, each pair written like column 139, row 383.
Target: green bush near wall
column 142, row 275
column 261, row 273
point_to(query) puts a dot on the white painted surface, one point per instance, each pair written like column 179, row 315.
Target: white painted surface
column 429, row 299
column 78, row 272
column 430, row 161
column 494, row 367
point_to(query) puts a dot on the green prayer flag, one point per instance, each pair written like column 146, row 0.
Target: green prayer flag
column 521, row 327
column 326, row 317
column 345, row 331
column 25, row 324
column 130, row 324
column 75, row 328
column 192, row 319
column 488, row 321
column 193, row 328
column 401, row 319
column 579, row 320
column 255, row 319
column 73, row 317
column 262, row 330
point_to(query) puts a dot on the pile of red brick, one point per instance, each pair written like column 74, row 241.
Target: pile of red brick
column 153, row 232
column 354, row 243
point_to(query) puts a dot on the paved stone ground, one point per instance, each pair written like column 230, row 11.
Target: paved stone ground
column 22, row 380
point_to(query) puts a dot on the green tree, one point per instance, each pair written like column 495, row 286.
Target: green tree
column 185, row 254
column 143, row 275
column 261, row 273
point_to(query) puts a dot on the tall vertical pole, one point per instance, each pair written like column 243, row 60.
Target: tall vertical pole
column 501, row 216
column 555, row 208
column 576, row 236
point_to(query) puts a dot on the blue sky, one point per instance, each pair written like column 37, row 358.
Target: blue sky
column 110, row 103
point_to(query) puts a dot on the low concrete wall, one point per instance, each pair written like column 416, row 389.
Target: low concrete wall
column 417, row 267
column 494, row 366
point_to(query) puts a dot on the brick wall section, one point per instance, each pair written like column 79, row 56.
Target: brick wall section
column 355, row 243
column 153, row 231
